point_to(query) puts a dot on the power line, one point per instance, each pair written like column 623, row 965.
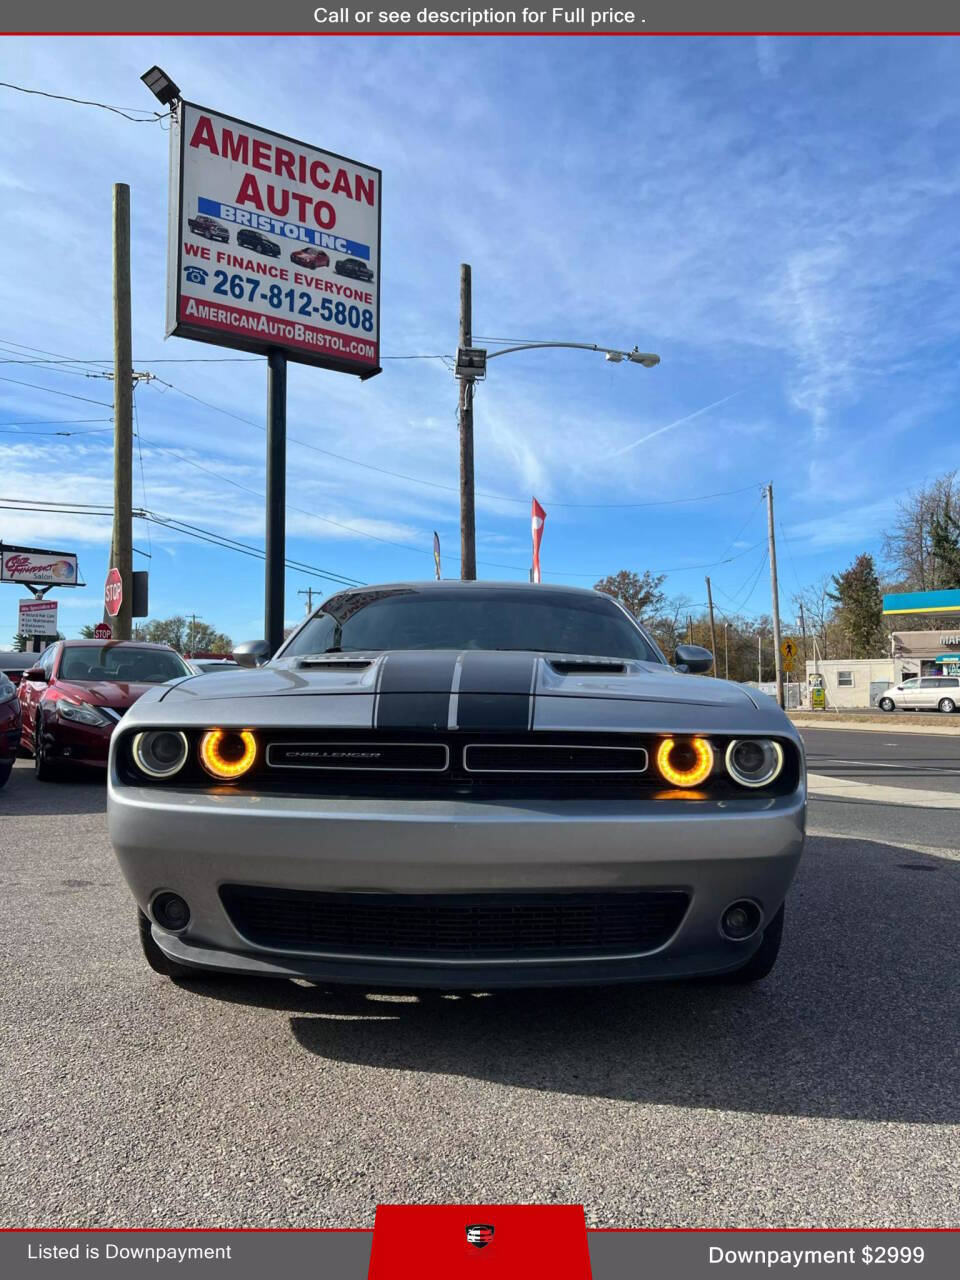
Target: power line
column 53, row 392
column 177, row 526
column 51, row 422
column 145, row 117
column 431, row 484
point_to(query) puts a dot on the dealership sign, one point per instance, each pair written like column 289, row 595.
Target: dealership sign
column 37, row 618
column 273, row 244
column 34, row 567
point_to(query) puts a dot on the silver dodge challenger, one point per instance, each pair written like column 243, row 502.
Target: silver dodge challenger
column 460, row 785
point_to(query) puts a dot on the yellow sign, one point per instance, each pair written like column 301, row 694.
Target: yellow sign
column 787, row 664
column 818, row 699
column 789, row 649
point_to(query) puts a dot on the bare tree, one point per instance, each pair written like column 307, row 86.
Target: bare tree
column 917, row 557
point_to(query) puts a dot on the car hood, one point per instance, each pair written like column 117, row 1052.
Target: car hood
column 481, row 690
column 119, row 694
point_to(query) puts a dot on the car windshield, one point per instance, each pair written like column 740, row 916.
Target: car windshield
column 538, row 620
column 114, row 662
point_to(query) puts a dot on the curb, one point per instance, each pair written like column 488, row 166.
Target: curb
column 890, row 725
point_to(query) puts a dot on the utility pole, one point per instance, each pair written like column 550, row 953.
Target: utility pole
column 774, row 596
column 275, row 551
column 759, row 658
column 308, row 592
column 726, row 654
column 122, row 545
column 468, row 522
column 713, row 629
column 803, row 632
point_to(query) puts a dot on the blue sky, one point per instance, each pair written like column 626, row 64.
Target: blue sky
column 776, row 217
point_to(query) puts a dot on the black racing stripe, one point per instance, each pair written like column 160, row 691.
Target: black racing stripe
column 484, row 671
column 414, row 690
column 493, row 711
column 495, row 690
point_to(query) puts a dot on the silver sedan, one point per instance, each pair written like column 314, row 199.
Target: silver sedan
column 460, row 784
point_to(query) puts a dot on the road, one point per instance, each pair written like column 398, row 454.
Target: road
column 827, row 1095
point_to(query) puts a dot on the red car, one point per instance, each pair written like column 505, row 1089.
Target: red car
column 76, row 694
column 310, row 258
column 9, row 726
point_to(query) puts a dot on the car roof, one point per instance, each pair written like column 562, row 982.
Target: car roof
column 117, row 644
column 457, row 584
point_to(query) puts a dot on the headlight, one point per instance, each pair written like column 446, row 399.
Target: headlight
column 754, row 762
column 228, row 753
column 685, row 762
column 160, row 753
column 81, row 713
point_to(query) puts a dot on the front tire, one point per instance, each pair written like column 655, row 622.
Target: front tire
column 6, row 768
column 764, row 958
column 44, row 770
column 158, row 961
column 887, row 704
column 947, row 705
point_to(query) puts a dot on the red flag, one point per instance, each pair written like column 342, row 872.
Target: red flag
column 537, row 517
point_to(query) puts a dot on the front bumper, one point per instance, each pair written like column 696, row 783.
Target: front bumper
column 193, row 843
column 77, row 744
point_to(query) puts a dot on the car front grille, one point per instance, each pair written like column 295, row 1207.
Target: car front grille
column 456, row 926
column 455, row 764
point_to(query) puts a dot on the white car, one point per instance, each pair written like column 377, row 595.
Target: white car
column 926, row 693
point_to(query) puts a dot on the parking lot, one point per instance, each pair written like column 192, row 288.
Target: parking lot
column 826, row 1096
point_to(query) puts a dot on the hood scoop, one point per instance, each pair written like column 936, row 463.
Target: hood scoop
column 334, row 664
column 587, row 666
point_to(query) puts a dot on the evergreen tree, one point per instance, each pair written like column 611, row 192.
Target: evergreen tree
column 859, row 602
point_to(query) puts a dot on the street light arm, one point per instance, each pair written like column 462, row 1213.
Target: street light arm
column 638, row 357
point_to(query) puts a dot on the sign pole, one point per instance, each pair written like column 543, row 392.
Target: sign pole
column 122, row 557
column 275, row 562
column 774, row 596
column 468, row 523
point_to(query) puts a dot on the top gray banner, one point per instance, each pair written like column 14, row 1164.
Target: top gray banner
column 285, row 17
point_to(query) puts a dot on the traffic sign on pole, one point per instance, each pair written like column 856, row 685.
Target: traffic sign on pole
column 101, row 631
column 113, row 592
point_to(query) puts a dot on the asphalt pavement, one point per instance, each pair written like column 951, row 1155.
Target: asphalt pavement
column 826, row 1096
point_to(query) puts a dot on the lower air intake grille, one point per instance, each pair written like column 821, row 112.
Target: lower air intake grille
column 455, row 926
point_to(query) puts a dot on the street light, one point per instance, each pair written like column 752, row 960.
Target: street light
column 636, row 356
column 160, row 85
column 471, row 365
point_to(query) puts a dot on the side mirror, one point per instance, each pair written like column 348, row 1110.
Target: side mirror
column 252, row 653
column 35, row 673
column 692, row 659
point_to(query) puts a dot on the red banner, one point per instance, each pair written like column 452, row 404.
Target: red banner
column 479, row 1242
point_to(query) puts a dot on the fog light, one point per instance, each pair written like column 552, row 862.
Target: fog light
column 170, row 911
column 754, row 762
column 228, row 753
column 685, row 762
column 741, row 920
column 160, row 753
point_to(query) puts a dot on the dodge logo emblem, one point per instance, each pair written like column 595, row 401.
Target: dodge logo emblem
column 479, row 1234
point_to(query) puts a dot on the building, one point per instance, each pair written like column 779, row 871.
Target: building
column 859, row 682
column 853, row 682
column 926, row 653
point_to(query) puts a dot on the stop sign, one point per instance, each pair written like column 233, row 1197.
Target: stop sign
column 113, row 592
column 101, row 631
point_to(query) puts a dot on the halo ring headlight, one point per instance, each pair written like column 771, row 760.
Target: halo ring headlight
column 227, row 754
column 160, row 753
column 685, row 762
column 754, row 762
